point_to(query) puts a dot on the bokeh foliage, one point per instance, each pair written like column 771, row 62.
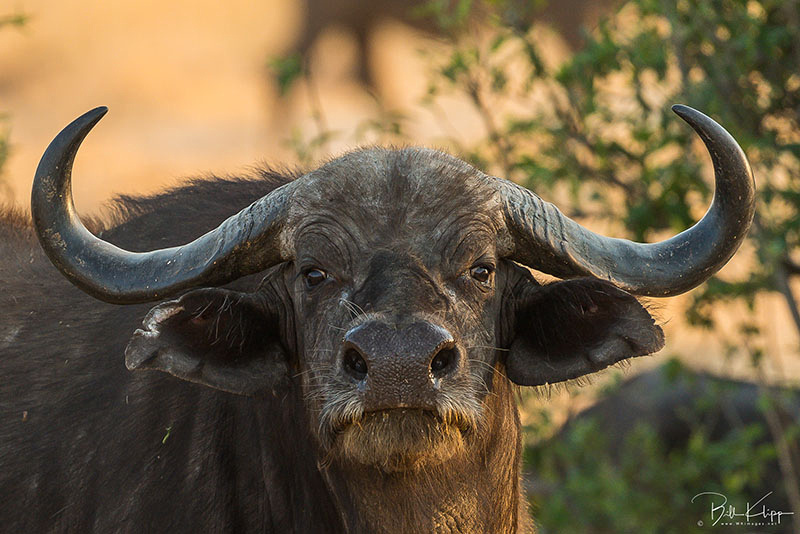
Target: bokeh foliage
column 587, row 479
column 596, row 130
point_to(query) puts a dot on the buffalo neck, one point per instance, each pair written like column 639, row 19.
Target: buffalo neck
column 475, row 492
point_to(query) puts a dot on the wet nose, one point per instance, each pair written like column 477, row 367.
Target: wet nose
column 399, row 365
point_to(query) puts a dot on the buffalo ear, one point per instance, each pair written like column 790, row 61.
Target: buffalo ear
column 223, row 339
column 569, row 329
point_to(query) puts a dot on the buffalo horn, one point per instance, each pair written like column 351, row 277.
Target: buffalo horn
column 545, row 239
column 245, row 243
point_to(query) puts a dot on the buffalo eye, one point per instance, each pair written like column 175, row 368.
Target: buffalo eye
column 314, row 277
column 481, row 273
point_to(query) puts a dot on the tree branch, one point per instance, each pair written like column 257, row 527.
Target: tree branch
column 791, row 266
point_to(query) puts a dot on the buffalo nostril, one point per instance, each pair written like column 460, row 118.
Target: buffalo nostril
column 354, row 364
column 444, row 360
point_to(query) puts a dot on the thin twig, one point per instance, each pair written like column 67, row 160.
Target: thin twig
column 783, row 449
column 782, row 284
column 316, row 105
column 502, row 146
column 791, row 266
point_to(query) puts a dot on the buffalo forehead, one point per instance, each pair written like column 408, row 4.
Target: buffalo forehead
column 379, row 195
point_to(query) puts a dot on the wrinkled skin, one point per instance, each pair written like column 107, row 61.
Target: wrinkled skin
column 396, row 247
column 398, row 263
column 394, row 268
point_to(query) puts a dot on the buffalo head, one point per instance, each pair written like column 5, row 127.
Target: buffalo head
column 396, row 295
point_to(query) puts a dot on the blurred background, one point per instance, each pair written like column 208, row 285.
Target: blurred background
column 569, row 98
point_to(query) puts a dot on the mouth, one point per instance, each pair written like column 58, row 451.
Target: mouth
column 405, row 418
column 400, row 439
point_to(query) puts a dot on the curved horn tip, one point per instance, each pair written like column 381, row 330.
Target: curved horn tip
column 697, row 119
column 682, row 109
column 71, row 136
column 62, row 149
column 725, row 150
column 80, row 127
column 91, row 117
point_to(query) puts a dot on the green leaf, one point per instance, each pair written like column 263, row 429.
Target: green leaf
column 287, row 70
column 17, row 19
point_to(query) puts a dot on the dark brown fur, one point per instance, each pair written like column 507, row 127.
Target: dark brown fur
column 87, row 446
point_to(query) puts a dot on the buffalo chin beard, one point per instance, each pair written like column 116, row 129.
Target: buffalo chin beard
column 401, row 439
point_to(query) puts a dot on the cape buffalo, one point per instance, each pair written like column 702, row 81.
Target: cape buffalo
column 357, row 372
